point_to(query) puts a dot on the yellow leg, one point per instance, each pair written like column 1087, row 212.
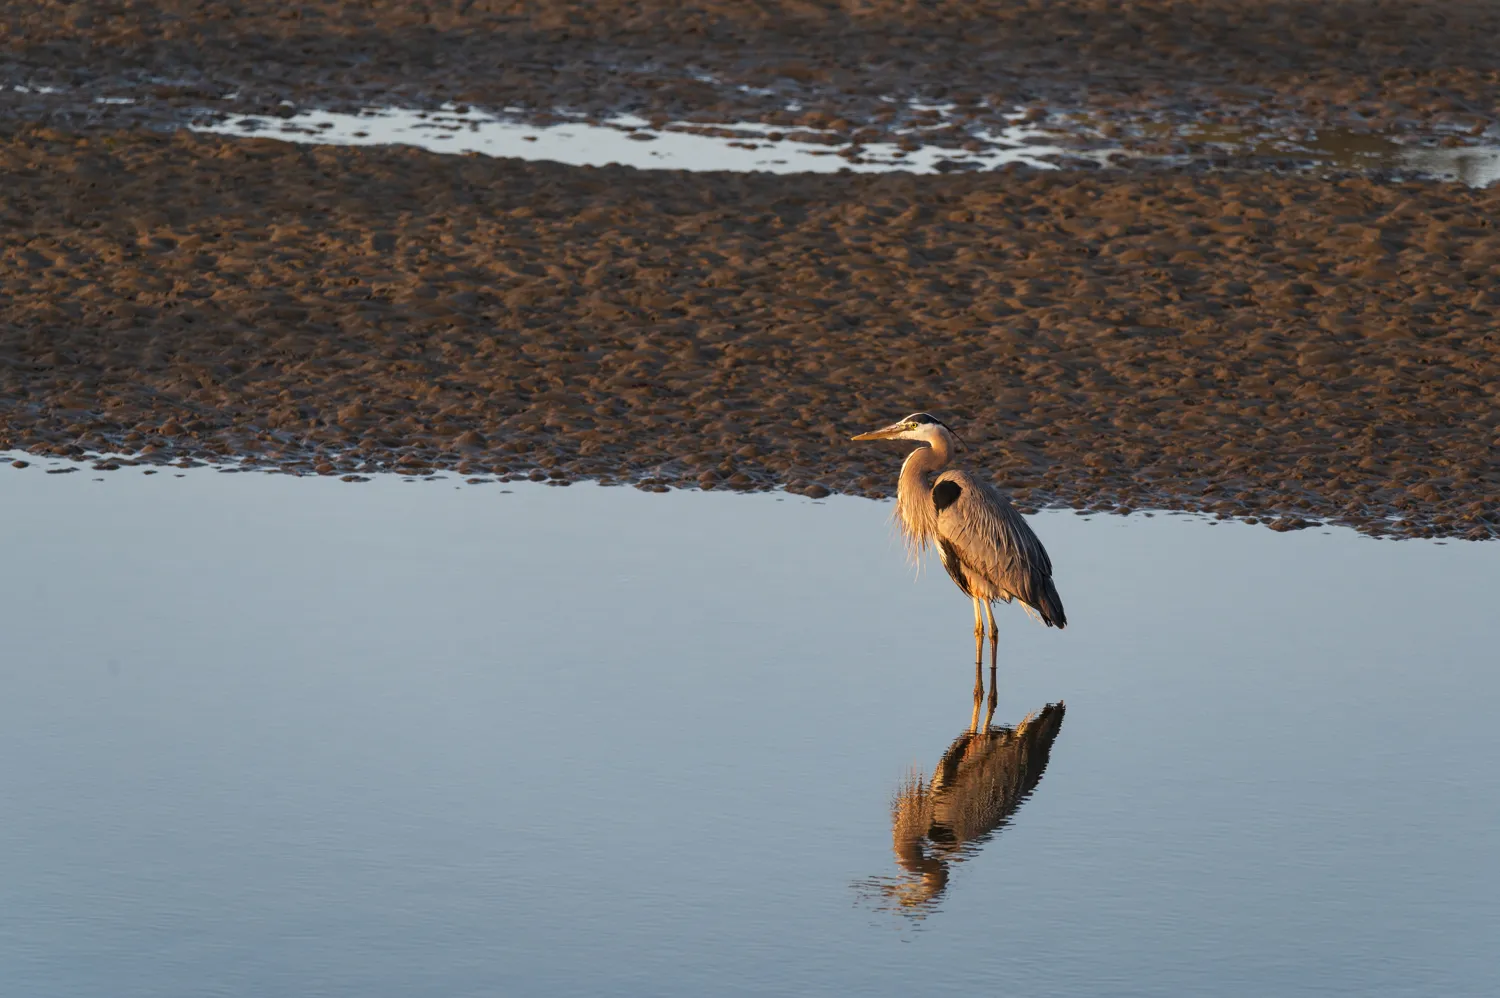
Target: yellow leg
column 978, row 655
column 994, row 656
column 994, row 634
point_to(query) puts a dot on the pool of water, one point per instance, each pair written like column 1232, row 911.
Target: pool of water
column 933, row 137
column 278, row 735
column 627, row 140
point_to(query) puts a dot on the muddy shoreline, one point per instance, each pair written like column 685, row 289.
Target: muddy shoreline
column 1132, row 72
column 1274, row 347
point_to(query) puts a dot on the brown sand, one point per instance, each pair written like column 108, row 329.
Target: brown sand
column 1251, row 345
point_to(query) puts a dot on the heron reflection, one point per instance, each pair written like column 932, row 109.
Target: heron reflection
column 936, row 823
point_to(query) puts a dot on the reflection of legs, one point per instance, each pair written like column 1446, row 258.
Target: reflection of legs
column 989, row 714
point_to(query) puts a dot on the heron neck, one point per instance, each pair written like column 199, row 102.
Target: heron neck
column 914, row 508
column 924, row 461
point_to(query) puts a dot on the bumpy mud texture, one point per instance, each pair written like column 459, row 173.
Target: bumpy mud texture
column 1262, row 346
column 1384, row 64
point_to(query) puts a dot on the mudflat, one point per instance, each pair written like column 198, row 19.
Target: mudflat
column 1385, row 65
column 1281, row 347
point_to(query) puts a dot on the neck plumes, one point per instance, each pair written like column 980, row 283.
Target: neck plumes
column 914, row 509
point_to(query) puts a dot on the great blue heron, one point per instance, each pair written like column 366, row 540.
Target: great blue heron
column 986, row 546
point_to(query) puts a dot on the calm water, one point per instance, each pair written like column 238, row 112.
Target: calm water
column 629, row 141
column 275, row 736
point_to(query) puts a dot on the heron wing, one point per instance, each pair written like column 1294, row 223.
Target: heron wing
column 994, row 542
column 954, row 566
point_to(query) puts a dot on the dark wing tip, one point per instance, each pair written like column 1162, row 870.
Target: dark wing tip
column 1050, row 606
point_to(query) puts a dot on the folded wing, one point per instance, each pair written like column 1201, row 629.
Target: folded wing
column 989, row 548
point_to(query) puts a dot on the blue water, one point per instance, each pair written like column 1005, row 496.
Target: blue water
column 277, row 736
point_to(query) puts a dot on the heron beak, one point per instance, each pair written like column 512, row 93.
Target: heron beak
column 884, row 433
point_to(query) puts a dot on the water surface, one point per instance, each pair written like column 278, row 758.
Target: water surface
column 271, row 735
column 627, row 140
column 1045, row 143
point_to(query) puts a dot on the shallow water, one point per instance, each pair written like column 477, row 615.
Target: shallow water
column 751, row 146
column 1036, row 136
column 276, row 735
column 1472, row 165
column 630, row 141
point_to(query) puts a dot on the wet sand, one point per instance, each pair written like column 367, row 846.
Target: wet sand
column 1383, row 66
column 1276, row 347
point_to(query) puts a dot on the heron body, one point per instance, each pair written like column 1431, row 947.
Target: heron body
column 987, row 547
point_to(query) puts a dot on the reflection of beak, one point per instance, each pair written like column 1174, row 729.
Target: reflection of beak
column 884, row 433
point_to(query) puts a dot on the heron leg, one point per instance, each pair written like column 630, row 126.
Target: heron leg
column 978, row 654
column 994, row 635
column 994, row 656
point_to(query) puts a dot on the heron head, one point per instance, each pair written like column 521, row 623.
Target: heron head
column 919, row 426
